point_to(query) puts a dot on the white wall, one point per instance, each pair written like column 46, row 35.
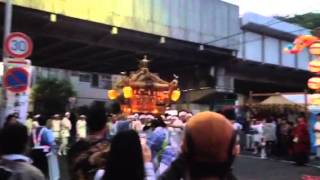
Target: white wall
column 253, row 43
column 86, row 94
column 288, row 60
column 271, row 52
column 303, row 60
column 266, row 49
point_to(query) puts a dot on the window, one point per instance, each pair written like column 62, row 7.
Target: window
column 74, row 73
column 95, row 80
column 84, row 77
column 105, row 82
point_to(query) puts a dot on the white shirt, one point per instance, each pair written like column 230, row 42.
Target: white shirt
column 65, row 127
column 56, row 125
column 81, row 128
column 259, row 128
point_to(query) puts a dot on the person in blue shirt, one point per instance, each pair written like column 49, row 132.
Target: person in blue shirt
column 42, row 140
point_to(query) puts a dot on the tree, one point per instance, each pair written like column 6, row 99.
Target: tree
column 309, row 20
column 50, row 95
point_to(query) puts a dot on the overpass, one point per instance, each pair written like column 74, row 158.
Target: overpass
column 190, row 38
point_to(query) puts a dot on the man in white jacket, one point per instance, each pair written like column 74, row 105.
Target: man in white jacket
column 65, row 134
column 81, row 127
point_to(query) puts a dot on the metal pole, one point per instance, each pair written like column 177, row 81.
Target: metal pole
column 7, row 18
column 7, row 31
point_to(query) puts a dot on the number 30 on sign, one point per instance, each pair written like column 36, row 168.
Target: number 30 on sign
column 18, row 45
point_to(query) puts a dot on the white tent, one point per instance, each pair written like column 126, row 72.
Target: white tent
column 277, row 100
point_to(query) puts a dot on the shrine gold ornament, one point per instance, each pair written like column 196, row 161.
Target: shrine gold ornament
column 146, row 92
column 112, row 94
column 127, row 92
column 175, row 96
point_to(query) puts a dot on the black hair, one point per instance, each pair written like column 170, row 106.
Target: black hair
column 8, row 118
column 41, row 120
column 302, row 115
column 13, row 139
column 269, row 120
column 97, row 118
column 30, row 115
column 153, row 124
column 125, row 159
column 318, row 114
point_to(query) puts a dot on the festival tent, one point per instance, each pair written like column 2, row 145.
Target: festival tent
column 277, row 100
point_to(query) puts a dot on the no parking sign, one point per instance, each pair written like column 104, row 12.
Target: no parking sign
column 16, row 80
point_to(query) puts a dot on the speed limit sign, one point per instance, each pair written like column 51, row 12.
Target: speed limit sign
column 18, row 45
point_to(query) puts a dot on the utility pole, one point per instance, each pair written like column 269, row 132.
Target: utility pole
column 7, row 31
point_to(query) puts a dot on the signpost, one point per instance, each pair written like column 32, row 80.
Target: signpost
column 16, row 79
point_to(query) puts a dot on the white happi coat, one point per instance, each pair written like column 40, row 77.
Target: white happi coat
column 81, row 128
column 65, row 128
column 56, row 127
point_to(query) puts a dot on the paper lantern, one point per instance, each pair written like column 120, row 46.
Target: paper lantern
column 314, row 49
column 314, row 66
column 112, row 94
column 314, row 83
column 314, row 99
column 175, row 95
column 127, row 92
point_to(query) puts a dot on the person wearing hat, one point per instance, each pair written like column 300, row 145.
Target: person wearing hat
column 208, row 149
column 81, row 127
column 65, row 134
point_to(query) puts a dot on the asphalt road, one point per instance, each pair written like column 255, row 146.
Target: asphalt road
column 252, row 168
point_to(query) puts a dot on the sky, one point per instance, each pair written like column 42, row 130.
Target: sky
column 277, row 7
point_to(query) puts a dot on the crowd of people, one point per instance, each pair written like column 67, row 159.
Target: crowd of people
column 145, row 146
column 116, row 146
column 279, row 137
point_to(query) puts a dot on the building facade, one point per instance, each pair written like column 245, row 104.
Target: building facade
column 217, row 54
